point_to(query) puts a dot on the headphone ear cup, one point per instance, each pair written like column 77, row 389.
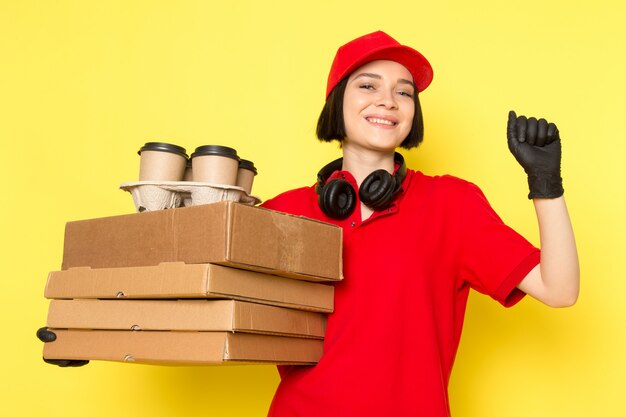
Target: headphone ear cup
column 337, row 199
column 377, row 189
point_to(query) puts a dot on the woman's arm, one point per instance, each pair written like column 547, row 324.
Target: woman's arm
column 536, row 144
column 556, row 280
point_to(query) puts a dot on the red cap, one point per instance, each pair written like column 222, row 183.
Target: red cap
column 374, row 46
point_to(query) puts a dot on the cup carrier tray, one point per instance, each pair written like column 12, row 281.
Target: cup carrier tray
column 160, row 195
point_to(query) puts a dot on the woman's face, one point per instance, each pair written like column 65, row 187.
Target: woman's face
column 378, row 106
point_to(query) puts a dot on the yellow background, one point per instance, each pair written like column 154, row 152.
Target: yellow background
column 84, row 84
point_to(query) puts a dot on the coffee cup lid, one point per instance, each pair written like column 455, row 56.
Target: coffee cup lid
column 163, row 147
column 249, row 165
column 215, row 150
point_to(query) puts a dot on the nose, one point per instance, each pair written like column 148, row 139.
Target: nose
column 387, row 99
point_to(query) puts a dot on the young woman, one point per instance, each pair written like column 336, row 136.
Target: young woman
column 413, row 244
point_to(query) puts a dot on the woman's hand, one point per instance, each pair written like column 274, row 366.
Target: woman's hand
column 537, row 147
column 48, row 336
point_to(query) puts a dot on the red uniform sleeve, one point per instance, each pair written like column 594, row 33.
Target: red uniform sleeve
column 494, row 257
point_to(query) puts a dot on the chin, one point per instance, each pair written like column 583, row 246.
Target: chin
column 385, row 146
column 374, row 142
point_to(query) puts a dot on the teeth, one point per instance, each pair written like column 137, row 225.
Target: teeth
column 381, row 121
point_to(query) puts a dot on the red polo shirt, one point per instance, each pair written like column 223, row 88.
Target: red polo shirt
column 391, row 341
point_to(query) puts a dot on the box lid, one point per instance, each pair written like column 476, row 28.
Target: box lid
column 185, row 315
column 182, row 348
column 180, row 280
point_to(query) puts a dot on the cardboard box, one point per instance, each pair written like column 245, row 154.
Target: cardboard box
column 179, row 280
column 185, row 315
column 182, row 348
column 227, row 233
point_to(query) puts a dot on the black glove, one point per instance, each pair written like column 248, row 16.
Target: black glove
column 537, row 147
column 46, row 336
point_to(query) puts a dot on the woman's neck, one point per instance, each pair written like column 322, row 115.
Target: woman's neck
column 361, row 162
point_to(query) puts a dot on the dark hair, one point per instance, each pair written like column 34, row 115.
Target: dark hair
column 330, row 125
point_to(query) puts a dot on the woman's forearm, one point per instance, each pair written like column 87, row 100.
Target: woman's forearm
column 556, row 280
column 560, row 273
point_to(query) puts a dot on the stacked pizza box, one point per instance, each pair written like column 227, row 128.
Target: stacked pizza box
column 208, row 284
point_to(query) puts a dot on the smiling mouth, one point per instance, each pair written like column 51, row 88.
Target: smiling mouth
column 376, row 120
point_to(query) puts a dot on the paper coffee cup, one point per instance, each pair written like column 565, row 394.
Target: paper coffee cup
column 215, row 164
column 162, row 162
column 245, row 175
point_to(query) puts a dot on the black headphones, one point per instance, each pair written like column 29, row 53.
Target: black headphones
column 378, row 190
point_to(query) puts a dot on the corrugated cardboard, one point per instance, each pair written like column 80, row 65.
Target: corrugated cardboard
column 183, row 348
column 226, row 233
column 179, row 280
column 185, row 315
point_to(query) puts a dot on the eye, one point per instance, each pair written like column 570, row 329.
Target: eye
column 406, row 94
column 367, row 86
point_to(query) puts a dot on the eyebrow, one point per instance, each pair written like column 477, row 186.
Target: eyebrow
column 379, row 77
